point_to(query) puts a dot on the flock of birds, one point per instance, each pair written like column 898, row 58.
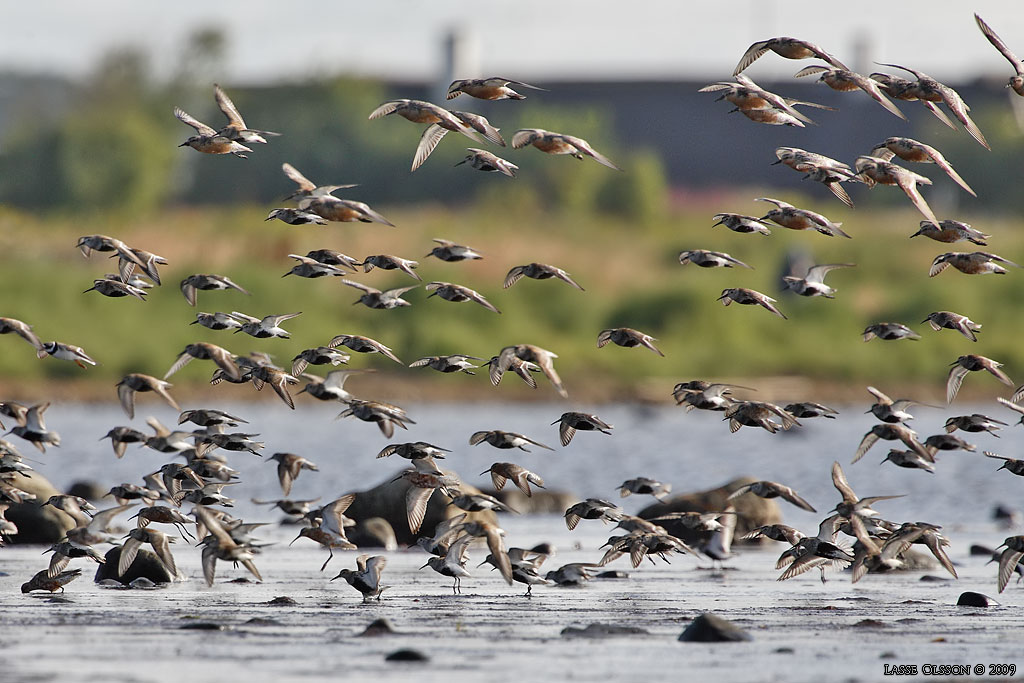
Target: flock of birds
column 203, row 477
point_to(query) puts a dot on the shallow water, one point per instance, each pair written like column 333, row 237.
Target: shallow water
column 803, row 630
column 691, row 451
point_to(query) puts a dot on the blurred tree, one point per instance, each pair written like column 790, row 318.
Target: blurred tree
column 119, row 163
column 642, row 193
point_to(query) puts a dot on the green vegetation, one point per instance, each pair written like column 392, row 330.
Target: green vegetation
column 628, row 268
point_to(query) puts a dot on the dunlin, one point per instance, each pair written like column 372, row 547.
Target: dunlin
column 627, row 337
column 749, row 297
column 521, row 477
column 206, row 282
column 482, row 160
column 572, row 421
column 889, row 332
column 709, row 259
column 953, row 321
column 538, row 271
column 813, row 284
column 452, row 252
column 972, row 363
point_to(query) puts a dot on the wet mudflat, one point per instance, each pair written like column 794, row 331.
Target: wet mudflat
column 802, row 630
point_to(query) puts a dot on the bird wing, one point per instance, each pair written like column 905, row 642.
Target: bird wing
column 564, row 277
column 302, row 181
column 360, row 286
column 777, row 202
column 841, row 484
column 333, row 512
column 243, row 317
column 416, row 500
column 536, row 443
column 769, row 303
column 497, row 548
column 908, row 183
column 865, row 444
column 526, row 136
column 953, row 382
column 565, row 432
column 374, row 566
column 428, row 141
column 1007, row 565
column 752, row 53
column 584, row 147
column 941, row 162
column 228, row 107
column 385, row 109
column 126, row 395
column 513, row 276
column 996, row 257
column 189, row 291
column 817, row 273
column 870, row 86
column 547, row 366
column 998, row 43
column 999, row 374
column 792, row 496
column 477, row 297
column 128, row 552
column 188, row 119
column 162, row 545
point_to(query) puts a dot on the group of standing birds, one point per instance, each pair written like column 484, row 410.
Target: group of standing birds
column 205, row 475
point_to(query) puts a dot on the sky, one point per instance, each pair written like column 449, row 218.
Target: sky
column 271, row 42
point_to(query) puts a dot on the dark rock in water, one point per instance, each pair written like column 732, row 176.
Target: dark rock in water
column 378, row 627
column 971, row 599
column 931, row 578
column 375, row 532
column 1007, row 516
column 711, row 628
column 614, row 574
column 37, row 523
column 89, row 490
column 240, row 579
column 146, row 565
column 387, row 500
column 542, row 502
column 263, row 621
column 784, row 651
column 282, row 601
column 870, row 623
column 887, row 655
column 407, row 655
column 977, row 550
column 203, row 626
column 599, row 630
column 60, row 600
column 751, row 511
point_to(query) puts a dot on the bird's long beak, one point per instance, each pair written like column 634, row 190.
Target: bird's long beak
column 462, row 162
column 425, row 566
column 295, row 539
column 184, row 144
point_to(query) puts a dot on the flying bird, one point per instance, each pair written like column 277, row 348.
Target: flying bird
column 558, row 143
column 1016, row 81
